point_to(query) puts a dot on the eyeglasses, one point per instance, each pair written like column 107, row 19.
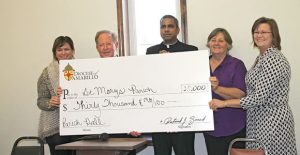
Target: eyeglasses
column 261, row 33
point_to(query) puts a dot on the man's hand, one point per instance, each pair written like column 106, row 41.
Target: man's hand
column 135, row 133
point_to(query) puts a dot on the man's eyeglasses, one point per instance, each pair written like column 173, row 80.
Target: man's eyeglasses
column 261, row 33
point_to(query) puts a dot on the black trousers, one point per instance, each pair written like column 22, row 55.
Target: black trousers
column 219, row 145
column 182, row 143
column 56, row 139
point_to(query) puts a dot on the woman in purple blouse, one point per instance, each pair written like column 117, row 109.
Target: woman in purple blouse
column 269, row 117
column 227, row 82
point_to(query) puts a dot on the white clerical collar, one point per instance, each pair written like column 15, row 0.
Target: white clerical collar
column 168, row 45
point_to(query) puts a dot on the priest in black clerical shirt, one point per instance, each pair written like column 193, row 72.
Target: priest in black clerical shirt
column 181, row 142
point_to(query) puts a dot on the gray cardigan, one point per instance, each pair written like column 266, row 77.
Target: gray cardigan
column 49, row 117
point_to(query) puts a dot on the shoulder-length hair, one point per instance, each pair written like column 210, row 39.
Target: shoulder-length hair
column 227, row 37
column 59, row 42
column 274, row 30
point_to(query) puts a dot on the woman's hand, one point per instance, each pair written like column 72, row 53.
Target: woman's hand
column 214, row 82
column 59, row 91
column 54, row 101
column 215, row 104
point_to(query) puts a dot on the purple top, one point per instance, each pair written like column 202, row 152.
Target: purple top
column 228, row 121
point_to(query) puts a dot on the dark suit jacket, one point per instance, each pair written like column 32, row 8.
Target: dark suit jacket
column 178, row 47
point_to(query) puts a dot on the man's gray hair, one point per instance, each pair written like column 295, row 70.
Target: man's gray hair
column 113, row 35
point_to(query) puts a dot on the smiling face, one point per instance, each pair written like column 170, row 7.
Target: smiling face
column 218, row 44
column 64, row 52
column 106, row 46
column 262, row 36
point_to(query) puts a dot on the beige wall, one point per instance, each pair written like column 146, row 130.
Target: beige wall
column 28, row 29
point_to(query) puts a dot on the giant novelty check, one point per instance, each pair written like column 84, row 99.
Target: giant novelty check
column 152, row 93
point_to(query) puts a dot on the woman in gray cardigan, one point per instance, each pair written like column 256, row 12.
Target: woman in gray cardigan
column 48, row 100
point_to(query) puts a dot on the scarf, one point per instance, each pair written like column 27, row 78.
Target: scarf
column 49, row 120
column 53, row 73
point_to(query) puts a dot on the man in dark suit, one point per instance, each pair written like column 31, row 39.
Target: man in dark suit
column 107, row 46
column 181, row 142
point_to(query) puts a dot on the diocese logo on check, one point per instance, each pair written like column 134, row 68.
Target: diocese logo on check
column 71, row 74
column 68, row 72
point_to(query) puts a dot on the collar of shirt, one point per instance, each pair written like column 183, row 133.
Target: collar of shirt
column 224, row 62
column 168, row 45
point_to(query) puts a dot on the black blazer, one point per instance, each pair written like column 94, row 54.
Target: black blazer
column 178, row 47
